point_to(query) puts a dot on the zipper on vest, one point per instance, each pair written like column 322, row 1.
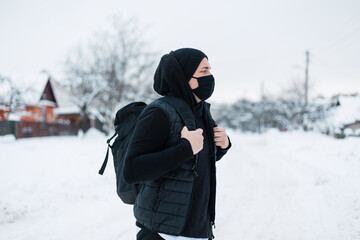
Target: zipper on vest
column 192, row 192
column 195, row 166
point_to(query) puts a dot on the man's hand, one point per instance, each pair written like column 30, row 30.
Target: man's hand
column 220, row 137
column 195, row 138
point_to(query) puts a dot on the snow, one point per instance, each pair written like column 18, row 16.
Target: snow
column 44, row 102
column 347, row 112
column 5, row 90
column 63, row 97
column 67, row 110
column 291, row 185
column 93, row 134
column 95, row 113
column 7, row 139
column 34, row 82
column 15, row 116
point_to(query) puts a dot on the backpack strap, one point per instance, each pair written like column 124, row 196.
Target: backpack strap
column 183, row 109
column 185, row 113
column 102, row 169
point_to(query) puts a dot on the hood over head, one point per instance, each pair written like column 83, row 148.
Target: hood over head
column 189, row 60
column 174, row 72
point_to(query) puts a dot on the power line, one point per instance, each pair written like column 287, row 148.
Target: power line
column 330, row 66
column 341, row 32
column 345, row 37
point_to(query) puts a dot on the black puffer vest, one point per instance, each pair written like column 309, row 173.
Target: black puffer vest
column 163, row 205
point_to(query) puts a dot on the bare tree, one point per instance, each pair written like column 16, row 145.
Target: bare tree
column 12, row 95
column 298, row 108
column 114, row 68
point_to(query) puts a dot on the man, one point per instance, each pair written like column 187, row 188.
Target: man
column 176, row 165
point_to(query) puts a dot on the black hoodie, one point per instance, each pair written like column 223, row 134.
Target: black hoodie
column 148, row 160
column 170, row 79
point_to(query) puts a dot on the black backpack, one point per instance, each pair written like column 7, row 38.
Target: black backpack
column 125, row 122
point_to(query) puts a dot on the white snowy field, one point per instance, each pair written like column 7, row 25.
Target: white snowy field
column 282, row 186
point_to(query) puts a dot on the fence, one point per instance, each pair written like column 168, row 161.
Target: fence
column 37, row 129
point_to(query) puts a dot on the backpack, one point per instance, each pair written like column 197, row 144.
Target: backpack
column 125, row 122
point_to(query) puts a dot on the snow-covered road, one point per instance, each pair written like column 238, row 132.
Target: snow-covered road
column 290, row 186
column 283, row 186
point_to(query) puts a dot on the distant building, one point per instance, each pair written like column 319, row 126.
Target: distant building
column 345, row 114
column 49, row 103
column 355, row 126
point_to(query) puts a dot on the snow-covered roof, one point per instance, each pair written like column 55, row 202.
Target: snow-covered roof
column 46, row 103
column 36, row 83
column 67, row 110
column 14, row 117
column 62, row 96
column 32, row 87
column 347, row 112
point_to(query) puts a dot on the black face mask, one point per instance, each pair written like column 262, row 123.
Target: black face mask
column 205, row 88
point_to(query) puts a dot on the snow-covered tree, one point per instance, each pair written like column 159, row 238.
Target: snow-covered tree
column 12, row 95
column 280, row 113
column 116, row 67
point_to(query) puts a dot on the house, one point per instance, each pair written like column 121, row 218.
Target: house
column 20, row 100
column 354, row 127
column 46, row 102
column 345, row 115
column 4, row 112
column 5, row 98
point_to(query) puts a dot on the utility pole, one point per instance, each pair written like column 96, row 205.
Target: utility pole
column 262, row 113
column 244, row 93
column 305, row 117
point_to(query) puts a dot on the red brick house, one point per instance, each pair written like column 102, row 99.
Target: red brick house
column 49, row 104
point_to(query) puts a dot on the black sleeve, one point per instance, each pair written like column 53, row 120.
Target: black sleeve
column 147, row 158
column 221, row 152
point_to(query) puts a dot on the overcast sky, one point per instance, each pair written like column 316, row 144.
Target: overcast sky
column 247, row 42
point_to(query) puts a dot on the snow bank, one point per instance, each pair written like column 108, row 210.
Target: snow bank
column 7, row 138
column 93, row 133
